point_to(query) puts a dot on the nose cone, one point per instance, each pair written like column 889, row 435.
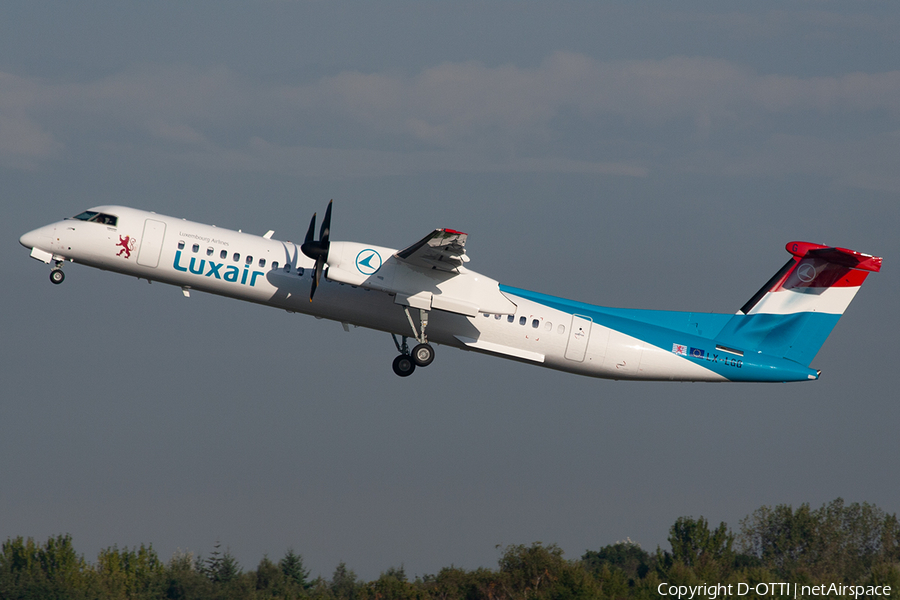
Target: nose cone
column 39, row 238
column 30, row 239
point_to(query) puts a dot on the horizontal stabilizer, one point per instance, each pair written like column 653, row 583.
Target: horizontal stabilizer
column 837, row 256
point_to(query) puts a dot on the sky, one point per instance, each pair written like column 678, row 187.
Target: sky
column 641, row 154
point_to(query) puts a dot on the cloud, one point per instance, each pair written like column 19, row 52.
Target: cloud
column 23, row 143
column 797, row 24
column 306, row 161
column 570, row 113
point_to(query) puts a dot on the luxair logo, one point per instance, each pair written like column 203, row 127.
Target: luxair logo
column 208, row 268
column 368, row 261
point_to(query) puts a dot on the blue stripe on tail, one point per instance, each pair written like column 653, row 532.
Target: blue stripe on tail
column 796, row 337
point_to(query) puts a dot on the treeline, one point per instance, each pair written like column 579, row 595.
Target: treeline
column 838, row 543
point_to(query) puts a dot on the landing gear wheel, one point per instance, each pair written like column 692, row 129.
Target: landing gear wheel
column 404, row 365
column 422, row 355
column 57, row 276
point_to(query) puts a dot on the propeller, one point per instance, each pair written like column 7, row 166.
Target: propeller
column 317, row 250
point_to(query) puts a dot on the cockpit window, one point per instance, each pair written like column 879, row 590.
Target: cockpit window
column 95, row 217
column 106, row 219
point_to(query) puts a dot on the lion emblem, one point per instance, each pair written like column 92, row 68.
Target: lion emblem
column 127, row 245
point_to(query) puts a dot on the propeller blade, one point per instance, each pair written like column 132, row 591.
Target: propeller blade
column 326, row 224
column 311, row 231
column 317, row 249
column 320, row 264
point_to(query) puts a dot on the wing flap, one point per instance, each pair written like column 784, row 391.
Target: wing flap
column 500, row 349
column 442, row 249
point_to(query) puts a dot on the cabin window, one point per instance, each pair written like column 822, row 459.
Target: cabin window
column 274, row 265
column 300, row 271
column 535, row 323
column 522, row 320
column 210, row 250
column 236, row 257
column 485, row 315
column 510, row 318
column 181, row 244
column 249, row 260
column 195, row 248
column 561, row 329
column 548, row 326
column 287, row 268
column 262, row 263
column 497, row 317
column 223, row 254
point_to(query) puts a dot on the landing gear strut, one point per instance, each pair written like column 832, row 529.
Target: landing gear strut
column 422, row 354
column 56, row 275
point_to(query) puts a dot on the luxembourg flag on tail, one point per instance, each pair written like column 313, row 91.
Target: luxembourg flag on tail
column 792, row 315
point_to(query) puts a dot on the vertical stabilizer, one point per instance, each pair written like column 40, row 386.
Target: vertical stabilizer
column 793, row 314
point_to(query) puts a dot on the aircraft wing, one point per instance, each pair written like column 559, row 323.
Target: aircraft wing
column 442, row 249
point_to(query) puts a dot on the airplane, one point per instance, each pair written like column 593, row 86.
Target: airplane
column 426, row 293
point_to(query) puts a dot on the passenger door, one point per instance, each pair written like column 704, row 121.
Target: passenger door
column 151, row 243
column 579, row 334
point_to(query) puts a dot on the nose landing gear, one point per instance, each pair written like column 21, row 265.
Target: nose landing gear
column 56, row 275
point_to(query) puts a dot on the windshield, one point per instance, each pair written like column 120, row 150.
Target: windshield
column 95, row 217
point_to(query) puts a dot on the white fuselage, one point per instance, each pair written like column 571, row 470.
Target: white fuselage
column 276, row 273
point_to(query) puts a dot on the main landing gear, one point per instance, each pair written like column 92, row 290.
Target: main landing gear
column 56, row 275
column 421, row 355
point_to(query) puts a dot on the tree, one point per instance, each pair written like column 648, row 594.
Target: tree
column 393, row 585
column 184, row 579
column 221, row 567
column 133, row 574
column 627, row 557
column 692, row 542
column 836, row 539
column 344, row 584
column 52, row 570
column 292, row 568
column 269, row 578
column 539, row 571
column 452, row 583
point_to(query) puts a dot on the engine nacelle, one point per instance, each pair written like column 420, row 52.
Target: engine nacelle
column 376, row 268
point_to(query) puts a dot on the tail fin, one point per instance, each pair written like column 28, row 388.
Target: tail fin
column 792, row 315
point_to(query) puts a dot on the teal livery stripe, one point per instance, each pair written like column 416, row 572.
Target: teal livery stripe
column 692, row 323
column 665, row 328
column 796, row 336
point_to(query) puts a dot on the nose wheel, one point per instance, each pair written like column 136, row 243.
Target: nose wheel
column 57, row 276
